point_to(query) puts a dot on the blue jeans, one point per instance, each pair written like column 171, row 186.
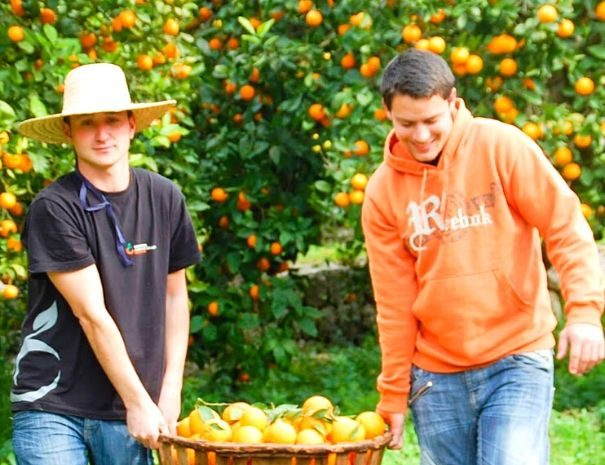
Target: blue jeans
column 44, row 438
column 495, row 415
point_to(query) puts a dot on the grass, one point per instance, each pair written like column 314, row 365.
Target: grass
column 347, row 375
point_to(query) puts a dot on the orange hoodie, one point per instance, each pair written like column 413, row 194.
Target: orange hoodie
column 455, row 255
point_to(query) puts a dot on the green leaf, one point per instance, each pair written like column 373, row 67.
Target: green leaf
column 597, row 51
column 36, row 107
column 247, row 25
column 323, row 186
column 196, row 324
column 308, row 327
column 7, row 113
column 27, row 47
column 50, row 32
column 265, row 27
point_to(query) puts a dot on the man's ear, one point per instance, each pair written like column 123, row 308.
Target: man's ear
column 452, row 98
column 67, row 129
column 386, row 108
column 133, row 126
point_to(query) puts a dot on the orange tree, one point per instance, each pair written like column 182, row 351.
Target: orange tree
column 279, row 124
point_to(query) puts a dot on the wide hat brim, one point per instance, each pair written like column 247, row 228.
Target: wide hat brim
column 49, row 129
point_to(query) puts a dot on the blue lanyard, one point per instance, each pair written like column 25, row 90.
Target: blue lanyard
column 106, row 204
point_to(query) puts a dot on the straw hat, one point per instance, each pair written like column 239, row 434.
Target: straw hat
column 95, row 88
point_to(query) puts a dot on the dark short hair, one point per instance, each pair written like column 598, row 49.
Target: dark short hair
column 416, row 73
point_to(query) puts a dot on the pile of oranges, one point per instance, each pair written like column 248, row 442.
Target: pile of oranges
column 316, row 422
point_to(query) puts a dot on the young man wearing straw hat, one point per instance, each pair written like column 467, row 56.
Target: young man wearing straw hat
column 98, row 377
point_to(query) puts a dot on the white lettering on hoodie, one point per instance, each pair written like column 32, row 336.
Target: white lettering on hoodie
column 420, row 216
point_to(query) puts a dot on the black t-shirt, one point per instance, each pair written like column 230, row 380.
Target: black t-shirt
column 56, row 369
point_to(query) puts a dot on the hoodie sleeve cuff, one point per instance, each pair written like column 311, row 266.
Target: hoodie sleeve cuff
column 584, row 313
column 393, row 403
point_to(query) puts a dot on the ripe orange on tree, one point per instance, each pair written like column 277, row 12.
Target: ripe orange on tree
column 344, row 111
column 7, row 200
column 356, row 197
column 503, row 104
column 380, row 114
column 582, row 141
column 584, row 86
column 251, row 241
column 263, row 264
column 127, row 18
column 459, row 55
column 342, row 199
column 437, row 44
column 572, row 171
column 314, row 18
column 213, row 310
column 145, row 62
column 422, row 44
column 205, row 13
column 218, row 194
column 17, row 7
column 171, row 27
column 215, row 43
column 15, row 33
column 276, row 248
column 233, row 43
column 565, row 28
column 411, row 33
column 254, row 291
column 10, row 291
column 474, row 64
column 247, row 92
column 14, row 245
column 587, row 210
column 359, row 181
column 348, row 61
column 508, row 67
column 316, row 111
column 563, row 156
column 170, row 50
column 547, row 14
column 88, row 40
column 532, row 129
column 361, row 148
column 7, row 227
column 438, row 17
column 600, row 11
column 48, row 16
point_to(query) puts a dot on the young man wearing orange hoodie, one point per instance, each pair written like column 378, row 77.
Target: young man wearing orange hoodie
column 453, row 221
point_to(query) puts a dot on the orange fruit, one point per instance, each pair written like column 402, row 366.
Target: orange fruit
column 7, row 200
column 180, row 70
column 584, row 86
column 254, row 416
column 254, row 292
column 373, row 424
column 309, row 437
column 357, row 19
column 276, row 248
column 508, row 67
column 503, row 43
column 366, row 70
column 359, row 181
column 174, row 137
column 411, row 33
column 380, row 114
column 15, row 33
column 14, row 245
column 170, row 50
column 356, row 197
column 183, row 427
column 88, row 40
column 532, row 129
column 346, row 429
column 223, row 222
column 563, row 156
column 547, row 14
column 127, row 18
column 474, row 64
column 582, row 141
column 344, row 111
column 342, row 199
column 254, row 75
column 459, row 55
column 216, row 430
column 247, row 435
column 565, row 28
column 17, row 7
column 263, row 264
column 251, row 241
column 348, row 61
column 343, row 28
column 7, row 227
column 600, row 11
column 279, row 432
column 10, row 291
column 572, row 171
column 145, row 62
column 48, row 16
column 494, row 83
column 215, row 43
column 438, row 17
column 205, row 13
column 233, row 412
column 304, row 6
column 437, row 44
column 317, row 405
column 503, row 104
column 247, row 92
column 317, row 112
column 213, row 308
column 314, row 18
column 422, row 44
column 219, row 195
column 587, row 210
column 361, row 148
column 171, row 27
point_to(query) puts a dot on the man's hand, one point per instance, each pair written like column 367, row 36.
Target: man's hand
column 145, row 423
column 586, row 346
column 395, row 422
column 170, row 405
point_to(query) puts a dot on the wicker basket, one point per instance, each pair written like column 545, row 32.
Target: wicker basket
column 175, row 450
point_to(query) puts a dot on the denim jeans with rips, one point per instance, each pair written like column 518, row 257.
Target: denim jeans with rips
column 44, row 438
column 495, row 415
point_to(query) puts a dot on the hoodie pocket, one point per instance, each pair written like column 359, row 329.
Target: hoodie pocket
column 461, row 313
